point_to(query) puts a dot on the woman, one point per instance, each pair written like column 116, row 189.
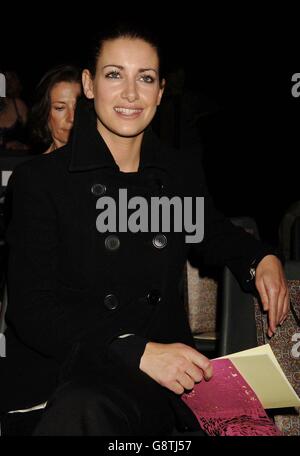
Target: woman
column 52, row 114
column 96, row 324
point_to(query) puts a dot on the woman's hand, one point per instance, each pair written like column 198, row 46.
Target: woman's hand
column 271, row 284
column 175, row 366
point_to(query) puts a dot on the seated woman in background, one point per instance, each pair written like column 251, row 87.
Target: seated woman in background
column 52, row 114
column 13, row 115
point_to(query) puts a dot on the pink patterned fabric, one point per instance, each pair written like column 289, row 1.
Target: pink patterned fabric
column 227, row 405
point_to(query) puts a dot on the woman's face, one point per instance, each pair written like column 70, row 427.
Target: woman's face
column 126, row 88
column 63, row 99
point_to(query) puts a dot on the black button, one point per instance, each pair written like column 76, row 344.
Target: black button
column 111, row 302
column 159, row 186
column 98, row 189
column 154, row 297
column 159, row 241
column 112, row 242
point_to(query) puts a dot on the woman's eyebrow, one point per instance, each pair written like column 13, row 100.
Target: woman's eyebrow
column 141, row 70
column 59, row 101
column 113, row 65
column 120, row 67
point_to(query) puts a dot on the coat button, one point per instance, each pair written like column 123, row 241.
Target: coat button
column 159, row 186
column 98, row 189
column 111, row 302
column 159, row 241
column 154, row 297
column 112, row 242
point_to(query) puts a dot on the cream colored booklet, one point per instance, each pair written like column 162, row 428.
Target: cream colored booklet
column 262, row 372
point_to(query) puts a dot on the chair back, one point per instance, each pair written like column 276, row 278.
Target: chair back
column 238, row 329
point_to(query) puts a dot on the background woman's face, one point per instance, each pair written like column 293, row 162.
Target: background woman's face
column 126, row 87
column 63, row 99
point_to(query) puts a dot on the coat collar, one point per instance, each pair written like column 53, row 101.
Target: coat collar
column 89, row 150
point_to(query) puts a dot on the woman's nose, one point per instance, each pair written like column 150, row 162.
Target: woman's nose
column 70, row 117
column 130, row 91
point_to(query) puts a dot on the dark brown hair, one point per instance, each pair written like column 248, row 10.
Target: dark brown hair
column 125, row 29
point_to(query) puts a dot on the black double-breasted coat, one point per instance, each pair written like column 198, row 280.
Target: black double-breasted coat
column 72, row 290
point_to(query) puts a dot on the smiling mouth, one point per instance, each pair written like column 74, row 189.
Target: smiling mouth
column 129, row 112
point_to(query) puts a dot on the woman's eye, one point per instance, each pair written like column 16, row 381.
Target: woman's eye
column 147, row 78
column 113, row 75
column 59, row 108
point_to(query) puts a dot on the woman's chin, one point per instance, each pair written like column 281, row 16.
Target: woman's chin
column 129, row 132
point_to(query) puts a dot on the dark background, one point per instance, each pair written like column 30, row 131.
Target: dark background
column 240, row 61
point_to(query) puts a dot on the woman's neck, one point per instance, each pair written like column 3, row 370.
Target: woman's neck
column 50, row 149
column 54, row 145
column 125, row 151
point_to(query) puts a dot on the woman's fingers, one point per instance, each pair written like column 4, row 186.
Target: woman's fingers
column 195, row 373
column 186, row 381
column 286, row 308
column 176, row 387
column 203, row 363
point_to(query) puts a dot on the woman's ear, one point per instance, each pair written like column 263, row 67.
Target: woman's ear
column 87, row 83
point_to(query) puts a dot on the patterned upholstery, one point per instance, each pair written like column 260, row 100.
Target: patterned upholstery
column 286, row 347
column 202, row 300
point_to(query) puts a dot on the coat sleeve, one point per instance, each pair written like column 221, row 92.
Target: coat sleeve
column 36, row 312
column 226, row 244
